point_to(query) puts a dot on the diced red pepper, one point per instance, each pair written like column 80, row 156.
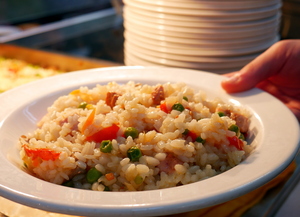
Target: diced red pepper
column 43, row 153
column 192, row 135
column 235, row 141
column 164, row 108
column 108, row 133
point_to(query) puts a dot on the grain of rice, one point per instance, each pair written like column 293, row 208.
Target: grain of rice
column 160, row 156
column 81, row 164
column 151, row 161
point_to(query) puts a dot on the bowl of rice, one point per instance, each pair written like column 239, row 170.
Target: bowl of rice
column 139, row 141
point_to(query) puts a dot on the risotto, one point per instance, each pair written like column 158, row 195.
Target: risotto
column 14, row 72
column 135, row 137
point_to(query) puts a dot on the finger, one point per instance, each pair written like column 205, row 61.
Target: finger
column 264, row 66
column 230, row 74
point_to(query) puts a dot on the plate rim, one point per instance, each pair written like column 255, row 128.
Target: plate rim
column 175, row 205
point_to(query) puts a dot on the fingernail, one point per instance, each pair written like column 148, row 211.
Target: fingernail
column 233, row 79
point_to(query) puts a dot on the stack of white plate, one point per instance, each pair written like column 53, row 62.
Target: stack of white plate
column 219, row 36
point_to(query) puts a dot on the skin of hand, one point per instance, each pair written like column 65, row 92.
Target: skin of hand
column 276, row 71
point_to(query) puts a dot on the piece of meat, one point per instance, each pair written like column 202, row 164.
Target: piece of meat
column 111, row 99
column 226, row 112
column 74, row 117
column 168, row 164
column 241, row 121
column 158, row 95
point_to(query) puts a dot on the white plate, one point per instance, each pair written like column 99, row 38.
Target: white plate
column 131, row 51
column 202, row 17
column 194, row 54
column 128, row 13
column 182, row 48
column 132, row 60
column 198, row 12
column 211, row 5
column 275, row 137
column 143, row 27
column 216, row 41
column 248, row 30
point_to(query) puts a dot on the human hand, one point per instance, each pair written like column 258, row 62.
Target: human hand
column 276, row 71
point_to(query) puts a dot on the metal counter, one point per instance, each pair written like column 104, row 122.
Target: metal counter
column 96, row 34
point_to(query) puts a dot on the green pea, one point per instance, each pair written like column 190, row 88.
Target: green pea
column 68, row 183
column 178, row 107
column 235, row 129
column 82, row 105
column 185, row 98
column 221, row 114
column 34, row 66
column 138, row 180
column 106, row 146
column 186, row 132
column 93, row 175
column 134, row 153
column 106, row 188
column 242, row 137
column 200, row 140
column 131, row 131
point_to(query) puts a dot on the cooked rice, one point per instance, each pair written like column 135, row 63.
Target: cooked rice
column 170, row 156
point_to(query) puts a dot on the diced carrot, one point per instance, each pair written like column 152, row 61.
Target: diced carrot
column 89, row 120
column 109, row 176
column 75, row 92
column 86, row 97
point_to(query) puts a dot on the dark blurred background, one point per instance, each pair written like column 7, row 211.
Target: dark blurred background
column 89, row 28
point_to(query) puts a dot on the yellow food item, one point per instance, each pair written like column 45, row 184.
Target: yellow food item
column 14, row 72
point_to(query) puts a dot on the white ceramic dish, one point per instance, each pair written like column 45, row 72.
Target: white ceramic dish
column 275, row 137
column 194, row 54
column 194, row 47
column 211, row 5
column 216, row 41
column 131, row 51
column 202, row 17
column 194, row 30
column 128, row 13
column 133, row 60
column 206, row 66
column 197, row 12
column 129, row 24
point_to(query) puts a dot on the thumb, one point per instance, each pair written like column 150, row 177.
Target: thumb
column 264, row 66
column 236, row 83
column 241, row 81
